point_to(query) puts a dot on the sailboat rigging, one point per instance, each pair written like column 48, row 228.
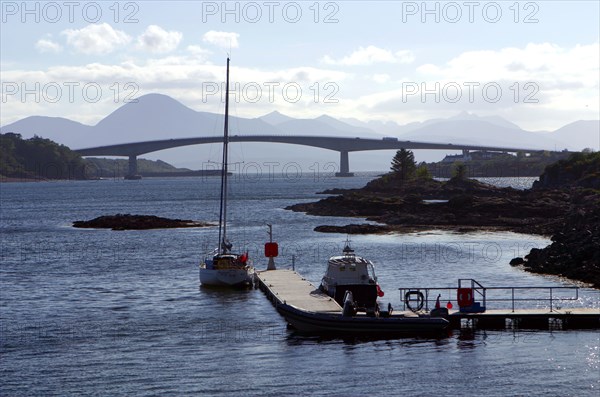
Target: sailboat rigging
column 223, row 268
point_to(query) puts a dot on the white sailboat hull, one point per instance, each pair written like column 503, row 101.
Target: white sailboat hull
column 225, row 277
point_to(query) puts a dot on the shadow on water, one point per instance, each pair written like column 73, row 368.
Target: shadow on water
column 222, row 302
column 405, row 338
column 223, row 289
column 468, row 338
column 224, row 294
column 464, row 339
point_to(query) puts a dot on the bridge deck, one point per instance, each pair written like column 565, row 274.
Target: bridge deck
column 340, row 144
column 344, row 145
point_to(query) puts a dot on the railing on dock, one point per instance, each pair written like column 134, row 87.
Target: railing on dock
column 482, row 294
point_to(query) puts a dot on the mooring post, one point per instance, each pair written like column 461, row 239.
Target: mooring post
column 271, row 264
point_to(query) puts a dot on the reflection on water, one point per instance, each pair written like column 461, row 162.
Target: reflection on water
column 121, row 313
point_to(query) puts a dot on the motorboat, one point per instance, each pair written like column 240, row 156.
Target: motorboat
column 349, row 273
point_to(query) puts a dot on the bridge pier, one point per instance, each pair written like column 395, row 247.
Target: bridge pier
column 133, row 171
column 344, row 165
column 466, row 155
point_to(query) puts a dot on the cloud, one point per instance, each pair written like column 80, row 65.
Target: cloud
column 371, row 55
column 543, row 85
column 46, row 44
column 198, row 51
column 96, row 39
column 566, row 78
column 544, row 63
column 381, row 78
column 222, row 39
column 157, row 40
column 187, row 76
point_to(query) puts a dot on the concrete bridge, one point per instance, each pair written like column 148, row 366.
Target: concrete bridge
column 340, row 144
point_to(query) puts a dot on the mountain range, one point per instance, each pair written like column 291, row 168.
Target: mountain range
column 157, row 116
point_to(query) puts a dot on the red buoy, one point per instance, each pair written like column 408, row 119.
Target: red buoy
column 271, row 250
column 380, row 293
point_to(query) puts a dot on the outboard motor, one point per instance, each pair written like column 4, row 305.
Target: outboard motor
column 349, row 305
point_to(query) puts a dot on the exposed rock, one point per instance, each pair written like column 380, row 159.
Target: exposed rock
column 575, row 250
column 581, row 170
column 486, row 206
column 137, row 222
column 517, row 261
column 563, row 204
column 364, row 228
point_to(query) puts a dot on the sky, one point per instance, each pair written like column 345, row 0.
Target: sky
column 535, row 63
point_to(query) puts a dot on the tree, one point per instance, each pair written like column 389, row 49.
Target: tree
column 38, row 158
column 460, row 171
column 403, row 165
column 423, row 172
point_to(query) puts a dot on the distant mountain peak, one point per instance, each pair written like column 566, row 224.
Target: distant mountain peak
column 579, row 134
column 275, row 117
column 496, row 120
column 274, row 113
column 464, row 113
column 326, row 117
column 156, row 95
column 156, row 116
column 156, row 99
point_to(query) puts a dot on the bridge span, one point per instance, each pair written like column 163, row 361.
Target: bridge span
column 344, row 145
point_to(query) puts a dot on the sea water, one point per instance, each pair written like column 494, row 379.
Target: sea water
column 101, row 312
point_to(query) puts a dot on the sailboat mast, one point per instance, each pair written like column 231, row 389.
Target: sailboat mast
column 223, row 209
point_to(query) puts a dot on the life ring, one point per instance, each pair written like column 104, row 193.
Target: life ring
column 420, row 300
column 464, row 297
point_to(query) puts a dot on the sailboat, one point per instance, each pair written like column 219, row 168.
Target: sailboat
column 222, row 267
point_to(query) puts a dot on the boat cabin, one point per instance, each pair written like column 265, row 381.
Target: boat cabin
column 349, row 272
column 226, row 261
column 350, row 269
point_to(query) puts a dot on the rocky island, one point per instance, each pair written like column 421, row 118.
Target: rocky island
column 137, row 222
column 456, row 204
column 564, row 204
column 575, row 248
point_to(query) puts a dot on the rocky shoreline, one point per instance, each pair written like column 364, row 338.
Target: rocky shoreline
column 363, row 228
column 137, row 222
column 565, row 204
column 456, row 205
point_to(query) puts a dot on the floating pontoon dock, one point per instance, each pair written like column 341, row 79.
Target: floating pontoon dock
column 552, row 315
column 576, row 318
column 288, row 287
column 307, row 308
